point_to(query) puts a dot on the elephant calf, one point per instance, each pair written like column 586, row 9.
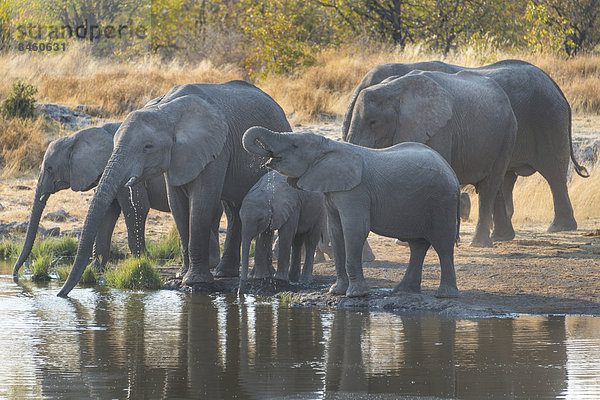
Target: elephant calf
column 299, row 218
column 407, row 191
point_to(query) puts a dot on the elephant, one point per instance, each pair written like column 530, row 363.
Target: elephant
column 299, row 218
column 407, row 191
column 192, row 135
column 77, row 161
column 543, row 144
column 466, row 117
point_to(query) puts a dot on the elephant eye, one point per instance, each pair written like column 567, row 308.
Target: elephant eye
column 148, row 147
column 49, row 168
column 372, row 123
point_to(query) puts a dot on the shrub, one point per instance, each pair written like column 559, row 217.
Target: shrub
column 24, row 143
column 135, row 273
column 8, row 249
column 20, row 102
column 41, row 268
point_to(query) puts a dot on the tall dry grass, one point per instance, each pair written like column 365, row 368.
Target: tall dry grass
column 23, row 143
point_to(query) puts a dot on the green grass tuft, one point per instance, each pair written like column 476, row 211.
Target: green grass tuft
column 89, row 277
column 9, row 249
column 166, row 250
column 62, row 272
column 41, row 268
column 134, row 273
column 65, row 246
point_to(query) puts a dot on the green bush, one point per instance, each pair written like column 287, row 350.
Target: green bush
column 62, row 272
column 9, row 249
column 41, row 268
column 134, row 273
column 20, row 102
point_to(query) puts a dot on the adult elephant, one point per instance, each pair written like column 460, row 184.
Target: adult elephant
column 193, row 136
column 543, row 141
column 466, row 117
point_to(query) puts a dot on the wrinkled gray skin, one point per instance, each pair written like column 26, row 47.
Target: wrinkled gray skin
column 543, row 141
column 299, row 218
column 407, row 191
column 77, row 162
column 466, row 117
column 193, row 136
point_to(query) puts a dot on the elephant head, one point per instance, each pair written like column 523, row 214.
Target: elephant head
column 177, row 136
column 411, row 108
column 75, row 162
column 311, row 162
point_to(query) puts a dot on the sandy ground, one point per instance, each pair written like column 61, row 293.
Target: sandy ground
column 537, row 273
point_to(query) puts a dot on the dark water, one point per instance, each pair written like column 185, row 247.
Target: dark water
column 104, row 343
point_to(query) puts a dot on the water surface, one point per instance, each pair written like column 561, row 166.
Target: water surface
column 104, row 343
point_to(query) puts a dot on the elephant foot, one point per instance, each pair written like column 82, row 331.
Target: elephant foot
column 570, row 225
column 306, row 279
column 339, row 287
column 281, row 277
column 193, row 276
column 227, row 271
column 357, row 289
column 481, row 242
column 181, row 272
column 405, row 287
column 214, row 261
column 503, row 235
column 447, row 291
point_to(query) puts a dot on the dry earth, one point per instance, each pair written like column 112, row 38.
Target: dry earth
column 537, row 273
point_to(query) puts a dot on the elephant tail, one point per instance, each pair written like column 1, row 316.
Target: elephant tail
column 581, row 170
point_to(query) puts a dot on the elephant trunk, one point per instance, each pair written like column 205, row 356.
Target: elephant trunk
column 348, row 115
column 261, row 141
column 39, row 203
column 113, row 178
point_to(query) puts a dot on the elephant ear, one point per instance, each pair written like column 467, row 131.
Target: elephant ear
column 90, row 153
column 199, row 133
column 338, row 169
column 425, row 107
column 284, row 203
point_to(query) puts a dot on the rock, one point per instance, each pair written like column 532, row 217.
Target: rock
column 92, row 110
column 73, row 219
column 21, row 187
column 72, row 232
column 57, row 216
column 151, row 221
column 54, row 232
column 2, row 208
column 73, row 120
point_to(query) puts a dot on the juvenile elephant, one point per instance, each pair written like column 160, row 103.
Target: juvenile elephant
column 77, row 162
column 543, row 142
column 407, row 191
column 466, row 117
column 193, row 136
column 299, row 218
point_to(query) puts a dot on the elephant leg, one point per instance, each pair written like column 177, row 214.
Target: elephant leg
column 367, row 253
column 262, row 255
column 504, row 209
column 214, row 250
column 229, row 265
column 336, row 235
column 310, row 245
column 101, row 250
column 179, row 205
column 445, row 251
column 286, row 237
column 296, row 264
column 135, row 206
column 488, row 189
column 564, row 220
column 411, row 282
column 355, row 235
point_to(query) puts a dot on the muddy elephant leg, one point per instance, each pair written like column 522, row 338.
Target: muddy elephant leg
column 411, row 282
column 334, row 229
column 229, row 266
column 179, row 204
column 504, row 209
column 135, row 206
column 262, row 255
column 564, row 220
column 101, row 250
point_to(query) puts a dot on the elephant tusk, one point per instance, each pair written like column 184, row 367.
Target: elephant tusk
column 131, row 181
column 44, row 197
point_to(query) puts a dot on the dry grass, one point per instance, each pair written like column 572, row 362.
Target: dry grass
column 22, row 145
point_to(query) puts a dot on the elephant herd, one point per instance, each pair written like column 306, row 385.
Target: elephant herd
column 412, row 136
